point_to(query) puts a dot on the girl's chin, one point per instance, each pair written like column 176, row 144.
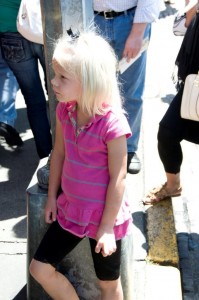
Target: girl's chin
column 61, row 99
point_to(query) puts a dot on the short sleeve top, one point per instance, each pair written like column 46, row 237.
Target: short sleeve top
column 85, row 175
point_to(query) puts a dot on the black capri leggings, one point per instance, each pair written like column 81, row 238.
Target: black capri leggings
column 172, row 130
column 57, row 243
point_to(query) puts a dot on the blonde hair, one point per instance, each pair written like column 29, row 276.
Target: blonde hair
column 92, row 61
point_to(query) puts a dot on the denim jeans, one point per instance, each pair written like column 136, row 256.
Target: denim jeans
column 8, row 91
column 23, row 58
column 116, row 31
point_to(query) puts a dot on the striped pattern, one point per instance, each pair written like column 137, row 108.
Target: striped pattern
column 85, row 175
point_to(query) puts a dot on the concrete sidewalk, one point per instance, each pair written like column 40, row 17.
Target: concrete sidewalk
column 151, row 280
column 16, row 169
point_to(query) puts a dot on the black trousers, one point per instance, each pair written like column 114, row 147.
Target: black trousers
column 172, row 130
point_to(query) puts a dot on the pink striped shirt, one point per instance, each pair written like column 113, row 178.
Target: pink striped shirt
column 85, row 175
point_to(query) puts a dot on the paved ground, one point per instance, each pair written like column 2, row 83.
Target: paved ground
column 184, row 207
column 18, row 166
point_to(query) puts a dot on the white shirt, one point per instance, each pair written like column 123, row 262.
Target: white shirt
column 147, row 11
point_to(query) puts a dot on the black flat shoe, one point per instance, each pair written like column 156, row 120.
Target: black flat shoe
column 133, row 163
column 10, row 134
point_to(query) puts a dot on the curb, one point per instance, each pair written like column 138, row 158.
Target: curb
column 161, row 234
column 163, row 259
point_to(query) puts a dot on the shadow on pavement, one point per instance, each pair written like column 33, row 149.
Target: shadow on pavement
column 168, row 98
column 17, row 167
column 169, row 11
column 140, row 222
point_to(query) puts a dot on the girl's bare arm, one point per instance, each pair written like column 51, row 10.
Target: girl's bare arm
column 117, row 163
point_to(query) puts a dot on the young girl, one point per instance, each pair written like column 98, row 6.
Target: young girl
column 89, row 160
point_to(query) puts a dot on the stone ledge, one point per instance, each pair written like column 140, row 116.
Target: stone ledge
column 161, row 234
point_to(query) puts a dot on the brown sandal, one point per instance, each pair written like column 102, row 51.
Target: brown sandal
column 160, row 193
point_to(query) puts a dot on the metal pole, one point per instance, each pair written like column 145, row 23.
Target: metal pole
column 57, row 18
column 52, row 29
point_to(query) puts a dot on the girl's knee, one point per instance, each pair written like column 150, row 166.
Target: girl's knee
column 109, row 284
column 40, row 271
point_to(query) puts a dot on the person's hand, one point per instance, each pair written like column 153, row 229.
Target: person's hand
column 105, row 242
column 51, row 211
column 134, row 41
column 133, row 46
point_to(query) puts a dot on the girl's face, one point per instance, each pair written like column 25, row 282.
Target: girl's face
column 66, row 87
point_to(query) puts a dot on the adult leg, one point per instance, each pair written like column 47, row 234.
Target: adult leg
column 8, row 92
column 39, row 53
column 133, row 104
column 170, row 153
column 132, row 80
column 8, row 114
column 172, row 131
column 21, row 58
column 132, row 92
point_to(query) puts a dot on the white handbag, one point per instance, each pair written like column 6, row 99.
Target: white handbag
column 190, row 98
column 29, row 23
column 179, row 28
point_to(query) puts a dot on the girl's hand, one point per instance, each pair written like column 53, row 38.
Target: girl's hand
column 51, row 211
column 105, row 242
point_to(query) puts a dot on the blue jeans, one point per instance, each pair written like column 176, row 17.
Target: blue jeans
column 116, row 31
column 23, row 58
column 8, row 91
